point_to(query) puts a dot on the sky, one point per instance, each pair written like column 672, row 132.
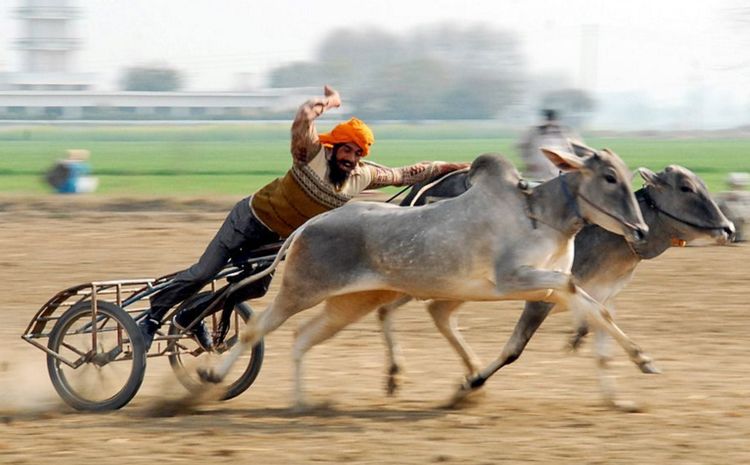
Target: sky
column 663, row 48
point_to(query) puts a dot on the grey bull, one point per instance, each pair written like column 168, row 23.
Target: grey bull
column 675, row 204
column 500, row 241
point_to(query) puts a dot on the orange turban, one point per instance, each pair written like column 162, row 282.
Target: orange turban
column 354, row 131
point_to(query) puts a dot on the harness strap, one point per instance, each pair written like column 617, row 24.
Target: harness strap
column 569, row 199
column 399, row 193
column 524, row 186
column 434, row 183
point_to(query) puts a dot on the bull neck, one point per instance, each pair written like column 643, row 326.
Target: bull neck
column 554, row 203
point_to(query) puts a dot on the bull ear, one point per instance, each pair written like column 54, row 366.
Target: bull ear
column 652, row 179
column 563, row 161
column 580, row 149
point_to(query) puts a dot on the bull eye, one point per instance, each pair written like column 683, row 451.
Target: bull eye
column 686, row 189
column 610, row 178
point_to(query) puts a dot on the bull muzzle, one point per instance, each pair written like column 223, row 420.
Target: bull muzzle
column 637, row 233
column 726, row 234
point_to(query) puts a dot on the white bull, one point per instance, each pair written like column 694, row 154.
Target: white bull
column 495, row 242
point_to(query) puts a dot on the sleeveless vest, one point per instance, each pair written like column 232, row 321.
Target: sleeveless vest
column 302, row 193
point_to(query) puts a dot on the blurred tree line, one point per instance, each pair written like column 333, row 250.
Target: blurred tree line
column 434, row 72
column 438, row 72
column 152, row 78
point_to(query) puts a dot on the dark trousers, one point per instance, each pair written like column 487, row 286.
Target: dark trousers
column 240, row 230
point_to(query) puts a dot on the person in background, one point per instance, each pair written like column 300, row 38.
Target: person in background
column 551, row 133
column 72, row 175
column 327, row 171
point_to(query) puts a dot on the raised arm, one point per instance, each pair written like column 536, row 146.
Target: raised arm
column 412, row 174
column 305, row 142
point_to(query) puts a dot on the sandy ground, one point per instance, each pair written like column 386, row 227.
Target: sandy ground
column 688, row 309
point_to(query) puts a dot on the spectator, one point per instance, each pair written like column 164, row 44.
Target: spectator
column 551, row 133
column 72, row 175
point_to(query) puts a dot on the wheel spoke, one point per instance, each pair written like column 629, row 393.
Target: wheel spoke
column 190, row 355
column 98, row 383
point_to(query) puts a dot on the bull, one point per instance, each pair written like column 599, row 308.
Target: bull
column 499, row 241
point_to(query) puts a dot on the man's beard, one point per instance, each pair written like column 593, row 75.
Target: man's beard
column 336, row 175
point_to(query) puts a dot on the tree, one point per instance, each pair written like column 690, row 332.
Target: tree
column 151, row 79
column 443, row 71
column 297, row 74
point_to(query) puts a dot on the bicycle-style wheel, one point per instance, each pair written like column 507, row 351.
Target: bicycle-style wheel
column 100, row 361
column 187, row 355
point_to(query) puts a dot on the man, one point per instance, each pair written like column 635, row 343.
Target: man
column 327, row 171
column 551, row 133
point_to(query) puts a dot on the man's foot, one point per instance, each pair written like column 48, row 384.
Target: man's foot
column 199, row 331
column 148, row 327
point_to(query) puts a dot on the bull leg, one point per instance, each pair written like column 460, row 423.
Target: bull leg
column 511, row 278
column 534, row 313
column 599, row 314
column 576, row 340
column 607, row 382
column 603, row 348
column 280, row 310
column 338, row 313
column 442, row 313
column 395, row 359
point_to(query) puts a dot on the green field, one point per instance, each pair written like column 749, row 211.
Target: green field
column 238, row 159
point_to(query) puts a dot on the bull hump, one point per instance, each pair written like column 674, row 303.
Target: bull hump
column 493, row 169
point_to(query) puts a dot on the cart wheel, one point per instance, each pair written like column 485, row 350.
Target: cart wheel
column 187, row 354
column 101, row 376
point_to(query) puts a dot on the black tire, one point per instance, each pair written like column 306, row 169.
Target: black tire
column 120, row 353
column 238, row 380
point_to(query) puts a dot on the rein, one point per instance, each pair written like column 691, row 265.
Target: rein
column 426, row 187
column 652, row 204
column 398, row 194
column 614, row 217
column 429, row 186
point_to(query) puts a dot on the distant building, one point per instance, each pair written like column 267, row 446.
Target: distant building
column 47, row 87
column 47, row 46
column 75, row 105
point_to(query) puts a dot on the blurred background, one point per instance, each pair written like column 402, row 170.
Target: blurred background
column 622, row 65
column 162, row 87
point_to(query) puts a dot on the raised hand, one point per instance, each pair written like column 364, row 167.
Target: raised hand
column 332, row 100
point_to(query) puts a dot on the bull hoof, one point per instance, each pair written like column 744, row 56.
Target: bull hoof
column 465, row 398
column 576, row 341
column 392, row 386
column 394, row 380
column 626, row 406
column 469, row 393
column 323, row 408
column 207, row 375
column 649, row 368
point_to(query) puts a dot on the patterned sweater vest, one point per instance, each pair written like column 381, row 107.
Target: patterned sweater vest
column 289, row 201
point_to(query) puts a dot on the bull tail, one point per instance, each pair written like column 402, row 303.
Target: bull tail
column 279, row 256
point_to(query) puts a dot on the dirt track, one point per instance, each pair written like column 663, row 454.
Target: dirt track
column 688, row 309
